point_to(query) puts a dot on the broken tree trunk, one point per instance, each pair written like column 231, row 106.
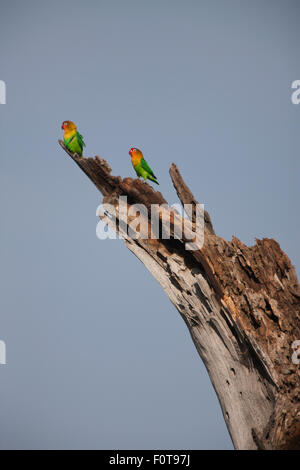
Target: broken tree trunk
column 241, row 305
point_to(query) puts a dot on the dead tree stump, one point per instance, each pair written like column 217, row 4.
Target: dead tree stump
column 241, row 305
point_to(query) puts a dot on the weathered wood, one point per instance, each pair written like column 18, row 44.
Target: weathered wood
column 186, row 196
column 241, row 305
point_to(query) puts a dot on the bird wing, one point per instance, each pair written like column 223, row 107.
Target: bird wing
column 80, row 139
column 146, row 167
column 67, row 141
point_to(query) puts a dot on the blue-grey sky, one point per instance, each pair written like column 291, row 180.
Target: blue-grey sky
column 97, row 357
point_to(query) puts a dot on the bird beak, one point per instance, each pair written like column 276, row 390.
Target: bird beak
column 62, row 126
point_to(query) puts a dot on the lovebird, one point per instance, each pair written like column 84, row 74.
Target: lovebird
column 72, row 139
column 141, row 166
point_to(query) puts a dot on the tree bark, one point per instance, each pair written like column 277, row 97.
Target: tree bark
column 241, row 305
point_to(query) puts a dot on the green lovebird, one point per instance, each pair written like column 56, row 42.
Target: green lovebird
column 141, row 166
column 72, row 139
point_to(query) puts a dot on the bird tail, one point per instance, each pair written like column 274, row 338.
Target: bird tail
column 153, row 179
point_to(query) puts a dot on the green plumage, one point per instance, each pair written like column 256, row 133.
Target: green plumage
column 75, row 143
column 143, row 169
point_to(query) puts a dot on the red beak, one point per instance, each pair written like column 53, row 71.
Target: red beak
column 62, row 126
